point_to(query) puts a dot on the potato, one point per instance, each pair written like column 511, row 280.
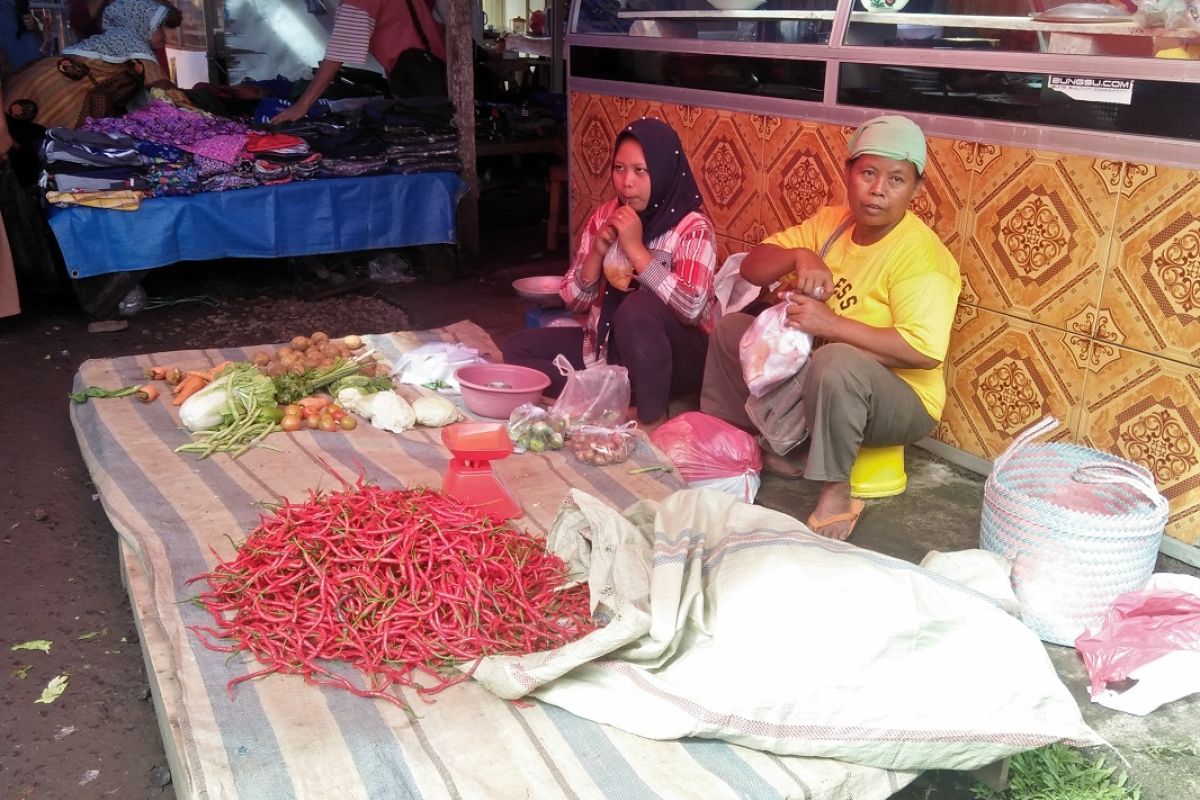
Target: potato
column 300, row 343
column 319, row 338
column 353, row 342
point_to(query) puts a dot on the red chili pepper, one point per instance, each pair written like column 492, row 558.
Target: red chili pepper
column 398, row 583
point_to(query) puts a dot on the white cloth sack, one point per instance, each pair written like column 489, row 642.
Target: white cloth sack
column 733, row 622
column 980, row 570
column 434, row 362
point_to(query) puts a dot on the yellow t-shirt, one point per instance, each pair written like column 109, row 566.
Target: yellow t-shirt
column 908, row 281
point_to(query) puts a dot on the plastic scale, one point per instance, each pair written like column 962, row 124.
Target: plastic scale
column 470, row 478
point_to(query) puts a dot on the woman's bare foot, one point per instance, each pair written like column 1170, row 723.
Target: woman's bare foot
column 836, row 513
column 780, row 466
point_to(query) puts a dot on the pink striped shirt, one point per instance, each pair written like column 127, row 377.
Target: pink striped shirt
column 681, row 274
column 382, row 28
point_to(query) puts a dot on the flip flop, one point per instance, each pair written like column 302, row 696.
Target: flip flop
column 851, row 516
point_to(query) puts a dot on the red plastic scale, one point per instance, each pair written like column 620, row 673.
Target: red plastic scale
column 469, row 478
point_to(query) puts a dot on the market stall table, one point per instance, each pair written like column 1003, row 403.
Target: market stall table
column 311, row 217
column 280, row 738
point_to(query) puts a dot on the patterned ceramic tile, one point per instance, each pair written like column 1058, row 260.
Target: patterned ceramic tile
column 942, row 201
column 801, row 174
column 581, row 209
column 592, row 137
column 727, row 247
column 1039, row 232
column 1152, row 287
column 977, row 158
column 1147, row 410
column 1007, row 374
column 728, row 163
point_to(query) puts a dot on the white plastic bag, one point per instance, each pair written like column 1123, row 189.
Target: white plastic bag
column 733, row 292
column 772, row 351
column 434, row 364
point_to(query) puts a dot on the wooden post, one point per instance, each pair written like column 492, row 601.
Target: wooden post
column 460, row 78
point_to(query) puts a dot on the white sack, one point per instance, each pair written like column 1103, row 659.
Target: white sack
column 734, row 622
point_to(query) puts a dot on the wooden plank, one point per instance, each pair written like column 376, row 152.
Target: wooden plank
column 460, row 66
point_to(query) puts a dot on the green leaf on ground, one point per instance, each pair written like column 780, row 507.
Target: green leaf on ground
column 34, row 644
column 53, row 690
column 90, row 635
column 21, row 673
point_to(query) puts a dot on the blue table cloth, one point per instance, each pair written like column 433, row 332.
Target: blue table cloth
column 333, row 215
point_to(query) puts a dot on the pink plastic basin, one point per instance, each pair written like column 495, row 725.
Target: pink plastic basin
column 494, row 390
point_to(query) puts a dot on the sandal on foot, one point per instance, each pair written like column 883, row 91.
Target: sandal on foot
column 851, row 516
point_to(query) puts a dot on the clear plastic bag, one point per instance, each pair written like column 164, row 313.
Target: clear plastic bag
column 772, row 351
column 598, row 395
column 534, row 429
column 1175, row 14
column 601, row 445
column 710, row 452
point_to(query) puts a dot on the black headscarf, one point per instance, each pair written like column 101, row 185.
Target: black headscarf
column 673, row 190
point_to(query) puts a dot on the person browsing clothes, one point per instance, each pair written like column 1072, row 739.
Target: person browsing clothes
column 880, row 306
column 643, row 274
column 380, row 28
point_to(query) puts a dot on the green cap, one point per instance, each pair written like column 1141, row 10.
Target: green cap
column 890, row 136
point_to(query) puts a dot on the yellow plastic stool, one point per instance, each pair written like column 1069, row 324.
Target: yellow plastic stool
column 878, row 472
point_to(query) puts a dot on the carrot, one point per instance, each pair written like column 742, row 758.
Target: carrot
column 156, row 373
column 147, row 393
column 192, row 383
column 174, row 376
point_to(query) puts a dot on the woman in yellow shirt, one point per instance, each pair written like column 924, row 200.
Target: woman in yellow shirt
column 880, row 305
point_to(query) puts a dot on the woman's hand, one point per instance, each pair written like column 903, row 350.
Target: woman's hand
column 811, row 316
column 604, row 239
column 628, row 227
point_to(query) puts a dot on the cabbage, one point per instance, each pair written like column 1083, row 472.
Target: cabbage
column 238, row 389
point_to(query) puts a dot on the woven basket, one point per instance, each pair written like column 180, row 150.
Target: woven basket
column 1078, row 526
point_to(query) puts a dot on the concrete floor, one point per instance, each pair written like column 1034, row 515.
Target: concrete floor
column 939, row 511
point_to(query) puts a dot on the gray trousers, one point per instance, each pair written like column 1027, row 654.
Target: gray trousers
column 845, row 398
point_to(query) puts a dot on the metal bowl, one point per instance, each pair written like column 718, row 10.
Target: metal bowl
column 541, row 290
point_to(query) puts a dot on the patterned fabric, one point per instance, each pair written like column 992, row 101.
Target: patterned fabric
column 162, row 123
column 168, row 180
column 225, row 147
column 228, row 180
column 681, row 274
column 117, row 201
column 128, row 26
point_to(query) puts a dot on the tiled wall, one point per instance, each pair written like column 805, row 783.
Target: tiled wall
column 1081, row 275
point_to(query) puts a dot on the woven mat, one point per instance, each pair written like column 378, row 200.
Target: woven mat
column 280, row 738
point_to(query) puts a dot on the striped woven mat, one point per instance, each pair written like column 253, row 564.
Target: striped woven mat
column 280, row 738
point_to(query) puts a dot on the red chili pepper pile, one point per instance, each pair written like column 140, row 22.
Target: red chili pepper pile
column 395, row 583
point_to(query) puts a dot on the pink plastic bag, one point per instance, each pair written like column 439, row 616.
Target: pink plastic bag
column 1139, row 628
column 710, row 452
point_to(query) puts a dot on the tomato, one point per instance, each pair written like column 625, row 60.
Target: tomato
column 333, row 408
column 348, row 422
column 339, row 415
column 311, row 422
column 328, row 423
column 293, row 410
column 291, row 422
